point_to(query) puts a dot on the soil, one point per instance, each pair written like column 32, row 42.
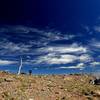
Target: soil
column 47, row 87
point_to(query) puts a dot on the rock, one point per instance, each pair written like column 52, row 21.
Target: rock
column 63, row 98
column 31, row 99
column 9, row 80
column 97, row 92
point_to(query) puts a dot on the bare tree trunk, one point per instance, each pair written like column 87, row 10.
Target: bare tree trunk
column 19, row 70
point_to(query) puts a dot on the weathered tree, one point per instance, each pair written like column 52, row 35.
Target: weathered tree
column 20, row 66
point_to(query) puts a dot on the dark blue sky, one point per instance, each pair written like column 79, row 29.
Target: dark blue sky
column 62, row 14
column 55, row 36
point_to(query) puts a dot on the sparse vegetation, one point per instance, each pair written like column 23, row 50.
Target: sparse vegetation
column 47, row 87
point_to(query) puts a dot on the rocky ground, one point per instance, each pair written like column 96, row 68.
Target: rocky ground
column 47, row 87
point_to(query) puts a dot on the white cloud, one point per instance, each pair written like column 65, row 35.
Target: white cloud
column 9, row 47
column 95, row 44
column 85, row 58
column 63, row 54
column 63, row 59
column 95, row 63
column 78, row 66
column 74, row 48
column 53, row 58
column 51, row 35
column 7, row 62
column 45, row 36
column 57, row 54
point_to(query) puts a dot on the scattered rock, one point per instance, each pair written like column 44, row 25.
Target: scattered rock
column 8, row 80
column 48, row 87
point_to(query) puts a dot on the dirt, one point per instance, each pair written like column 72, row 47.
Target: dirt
column 47, row 87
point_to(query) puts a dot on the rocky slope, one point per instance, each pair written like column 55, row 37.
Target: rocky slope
column 47, row 87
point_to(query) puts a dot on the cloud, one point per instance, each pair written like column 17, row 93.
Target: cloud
column 97, row 28
column 74, row 48
column 11, row 47
column 78, row 66
column 48, row 34
column 39, row 37
column 7, row 62
column 40, row 43
column 86, row 28
column 52, row 58
column 95, row 44
column 14, row 29
column 54, row 36
column 47, row 53
column 62, row 59
column 85, row 58
column 63, row 54
column 95, row 63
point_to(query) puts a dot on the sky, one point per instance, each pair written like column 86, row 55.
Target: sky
column 51, row 36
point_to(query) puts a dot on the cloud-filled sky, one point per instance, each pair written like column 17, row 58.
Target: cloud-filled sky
column 52, row 36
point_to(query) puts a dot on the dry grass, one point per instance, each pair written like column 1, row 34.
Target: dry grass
column 47, row 87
